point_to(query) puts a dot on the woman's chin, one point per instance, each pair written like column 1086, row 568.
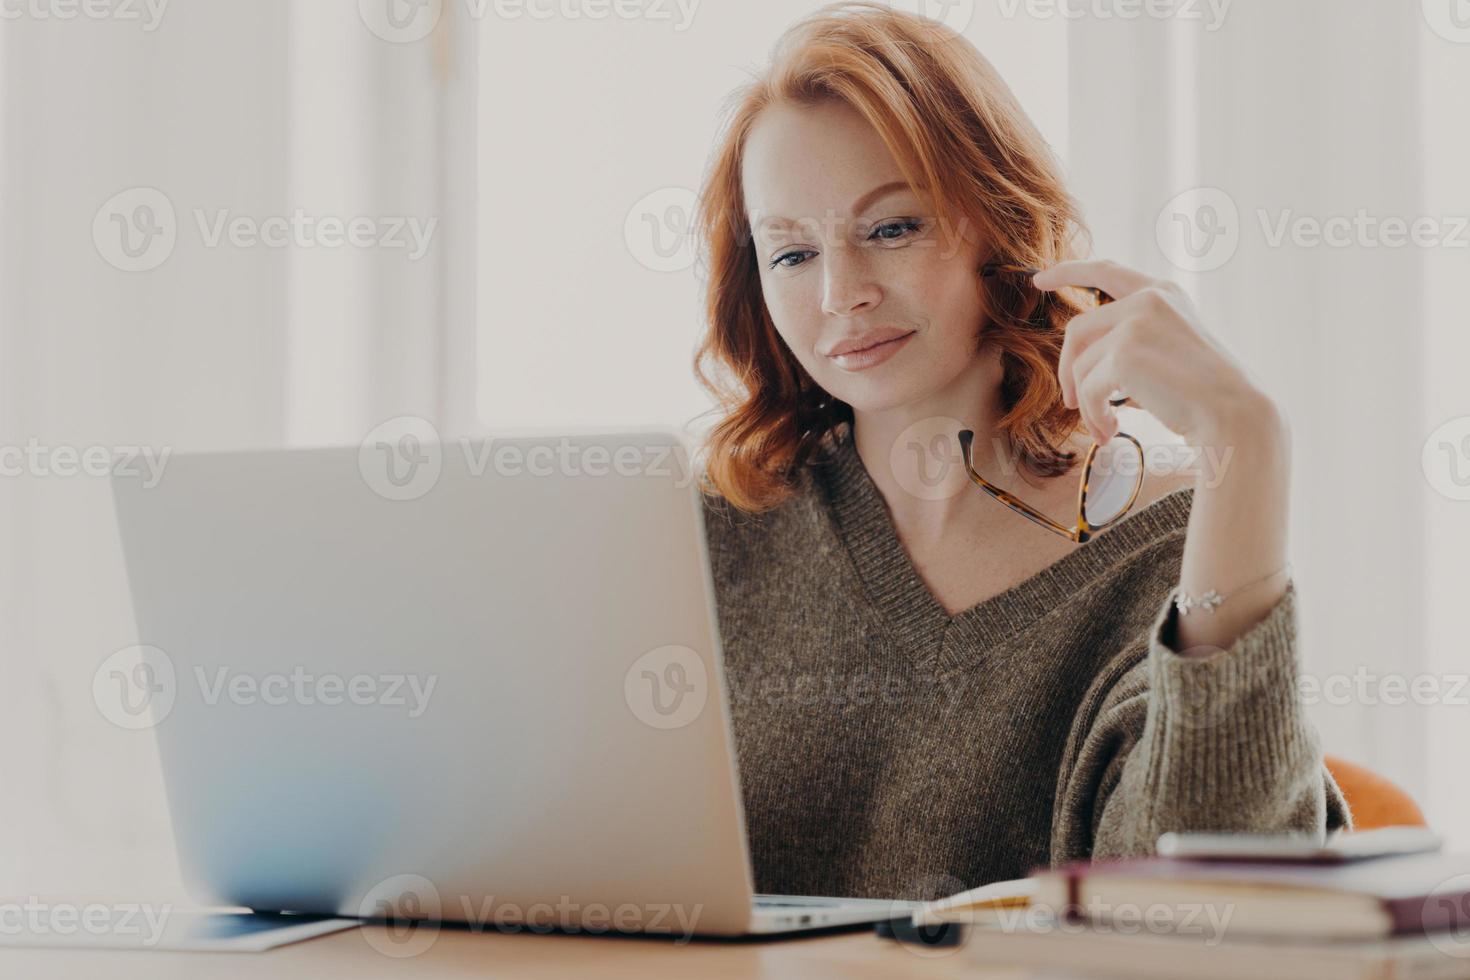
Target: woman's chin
column 878, row 394
column 869, row 403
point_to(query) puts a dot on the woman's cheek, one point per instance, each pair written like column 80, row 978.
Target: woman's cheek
column 793, row 317
column 799, row 341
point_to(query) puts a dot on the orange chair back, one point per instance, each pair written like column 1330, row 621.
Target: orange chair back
column 1374, row 801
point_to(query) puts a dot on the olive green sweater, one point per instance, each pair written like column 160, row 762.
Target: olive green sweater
column 889, row 750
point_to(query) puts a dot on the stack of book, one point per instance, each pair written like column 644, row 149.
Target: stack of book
column 1336, row 912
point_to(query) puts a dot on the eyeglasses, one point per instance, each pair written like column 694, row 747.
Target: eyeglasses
column 1112, row 475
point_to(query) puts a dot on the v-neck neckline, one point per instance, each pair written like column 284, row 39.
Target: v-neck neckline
column 915, row 617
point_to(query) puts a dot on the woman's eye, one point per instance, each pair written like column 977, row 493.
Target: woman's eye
column 893, row 231
column 780, row 260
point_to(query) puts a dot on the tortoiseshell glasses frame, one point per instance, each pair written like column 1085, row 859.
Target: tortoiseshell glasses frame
column 1082, row 531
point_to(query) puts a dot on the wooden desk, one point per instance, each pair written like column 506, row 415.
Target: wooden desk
column 460, row 953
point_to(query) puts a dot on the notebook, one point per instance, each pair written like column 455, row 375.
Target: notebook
column 1368, row 899
column 1089, row 951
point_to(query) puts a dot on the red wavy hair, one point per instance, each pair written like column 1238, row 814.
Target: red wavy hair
column 963, row 143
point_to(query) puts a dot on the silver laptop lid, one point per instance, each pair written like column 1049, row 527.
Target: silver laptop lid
column 459, row 679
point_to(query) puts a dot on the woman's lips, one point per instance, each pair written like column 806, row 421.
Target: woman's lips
column 861, row 360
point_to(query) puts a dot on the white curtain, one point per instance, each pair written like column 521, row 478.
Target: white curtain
column 1301, row 117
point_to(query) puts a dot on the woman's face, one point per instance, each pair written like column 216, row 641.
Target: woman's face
column 849, row 258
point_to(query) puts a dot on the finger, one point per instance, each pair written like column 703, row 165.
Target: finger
column 1082, row 332
column 1096, row 381
column 1096, row 323
column 1112, row 278
column 1087, row 360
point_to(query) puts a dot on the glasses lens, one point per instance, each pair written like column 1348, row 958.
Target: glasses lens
column 1117, row 470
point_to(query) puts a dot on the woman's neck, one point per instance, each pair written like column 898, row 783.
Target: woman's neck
column 912, row 454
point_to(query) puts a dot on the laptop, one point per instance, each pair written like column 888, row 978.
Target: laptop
column 472, row 680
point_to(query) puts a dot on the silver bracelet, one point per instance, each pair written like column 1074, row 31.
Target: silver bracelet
column 1212, row 599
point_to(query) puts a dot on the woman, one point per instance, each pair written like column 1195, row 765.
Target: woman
column 928, row 687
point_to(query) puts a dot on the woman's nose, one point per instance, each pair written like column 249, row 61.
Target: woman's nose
column 848, row 286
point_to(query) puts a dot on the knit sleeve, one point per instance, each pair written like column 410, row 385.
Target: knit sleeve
column 1215, row 743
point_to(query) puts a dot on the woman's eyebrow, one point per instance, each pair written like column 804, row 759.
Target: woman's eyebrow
column 858, row 206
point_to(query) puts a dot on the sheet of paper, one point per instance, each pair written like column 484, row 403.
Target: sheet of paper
column 161, row 928
column 1015, row 893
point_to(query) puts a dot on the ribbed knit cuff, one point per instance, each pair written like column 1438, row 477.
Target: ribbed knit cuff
column 1230, row 730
